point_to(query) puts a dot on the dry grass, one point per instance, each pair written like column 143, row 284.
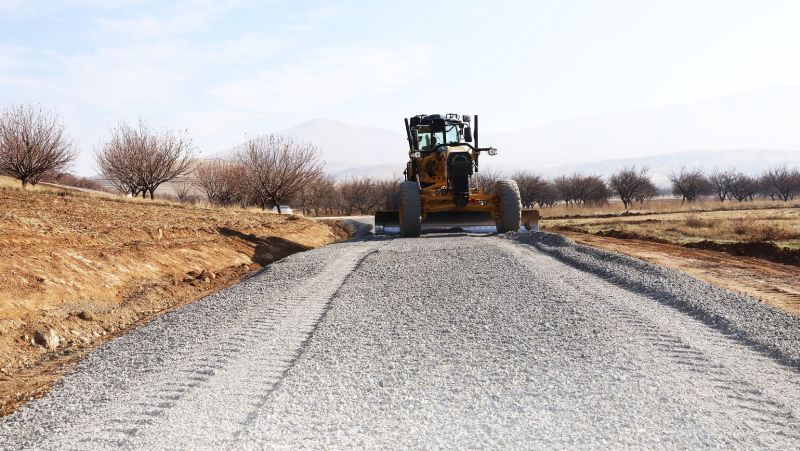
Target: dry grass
column 661, row 205
column 777, row 222
column 9, row 182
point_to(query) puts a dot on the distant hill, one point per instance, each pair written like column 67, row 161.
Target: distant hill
column 346, row 148
column 659, row 138
column 766, row 119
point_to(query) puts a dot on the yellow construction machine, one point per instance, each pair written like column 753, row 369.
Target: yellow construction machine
column 440, row 189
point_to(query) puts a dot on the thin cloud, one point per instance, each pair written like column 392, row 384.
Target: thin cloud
column 327, row 77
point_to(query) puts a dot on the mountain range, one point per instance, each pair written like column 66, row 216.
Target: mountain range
column 747, row 131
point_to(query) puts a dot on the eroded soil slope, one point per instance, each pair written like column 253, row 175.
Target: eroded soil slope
column 77, row 269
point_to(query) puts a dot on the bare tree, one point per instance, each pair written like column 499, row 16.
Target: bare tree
column 532, row 187
column 324, row 195
column 783, row 181
column 139, row 160
column 548, row 195
column 594, row 190
column 33, row 144
column 648, row 190
column 276, row 169
column 720, row 182
column 582, row 189
column 183, row 191
column 742, row 186
column 118, row 163
column 221, row 181
column 486, row 179
column 630, row 183
column 567, row 191
column 362, row 194
column 689, row 184
column 172, row 159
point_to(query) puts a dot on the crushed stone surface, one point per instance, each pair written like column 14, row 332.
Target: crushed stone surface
column 443, row 341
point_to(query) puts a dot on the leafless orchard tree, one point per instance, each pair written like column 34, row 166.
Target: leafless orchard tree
column 486, row 178
column 319, row 195
column 324, row 194
column 221, row 181
column 276, row 168
column 720, row 183
column 742, row 187
column 582, row 189
column 648, row 190
column 183, row 191
column 631, row 184
column 548, row 195
column 689, row 184
column 567, row 192
column 139, row 160
column 783, row 182
column 362, row 194
column 33, row 144
column 118, row 163
column 535, row 189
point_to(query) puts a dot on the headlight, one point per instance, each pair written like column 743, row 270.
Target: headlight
column 492, row 151
column 416, row 154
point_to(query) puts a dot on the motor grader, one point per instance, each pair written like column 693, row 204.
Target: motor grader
column 440, row 189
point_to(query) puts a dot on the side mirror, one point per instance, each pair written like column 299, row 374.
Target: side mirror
column 415, row 136
column 468, row 134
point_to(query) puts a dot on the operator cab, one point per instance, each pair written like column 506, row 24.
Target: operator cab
column 429, row 131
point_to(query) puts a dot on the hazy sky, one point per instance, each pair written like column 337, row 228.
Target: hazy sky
column 226, row 69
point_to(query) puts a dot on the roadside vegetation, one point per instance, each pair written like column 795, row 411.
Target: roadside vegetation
column 270, row 171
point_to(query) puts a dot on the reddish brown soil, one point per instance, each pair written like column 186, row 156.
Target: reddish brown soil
column 91, row 268
column 774, row 283
column 758, row 249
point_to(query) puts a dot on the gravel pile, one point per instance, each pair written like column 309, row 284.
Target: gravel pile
column 742, row 317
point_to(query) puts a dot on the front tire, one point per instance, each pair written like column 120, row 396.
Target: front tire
column 510, row 205
column 410, row 209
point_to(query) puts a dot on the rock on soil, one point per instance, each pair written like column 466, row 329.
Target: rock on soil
column 49, row 339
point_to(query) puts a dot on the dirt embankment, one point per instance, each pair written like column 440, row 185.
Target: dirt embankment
column 777, row 284
column 77, row 270
column 758, row 249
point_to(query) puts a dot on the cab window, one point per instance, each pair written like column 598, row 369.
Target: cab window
column 424, row 141
column 451, row 134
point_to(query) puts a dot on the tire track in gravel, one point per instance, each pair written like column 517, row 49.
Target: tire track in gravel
column 445, row 341
column 223, row 373
column 718, row 370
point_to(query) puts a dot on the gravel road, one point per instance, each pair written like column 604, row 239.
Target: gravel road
column 444, row 341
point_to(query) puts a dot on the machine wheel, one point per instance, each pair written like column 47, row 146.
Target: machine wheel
column 393, row 201
column 410, row 209
column 507, row 196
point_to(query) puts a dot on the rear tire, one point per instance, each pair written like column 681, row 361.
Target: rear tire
column 507, row 196
column 393, row 201
column 410, row 209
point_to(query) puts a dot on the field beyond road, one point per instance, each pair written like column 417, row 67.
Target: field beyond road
column 749, row 247
column 78, row 269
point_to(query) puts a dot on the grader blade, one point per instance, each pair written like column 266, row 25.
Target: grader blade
column 385, row 219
